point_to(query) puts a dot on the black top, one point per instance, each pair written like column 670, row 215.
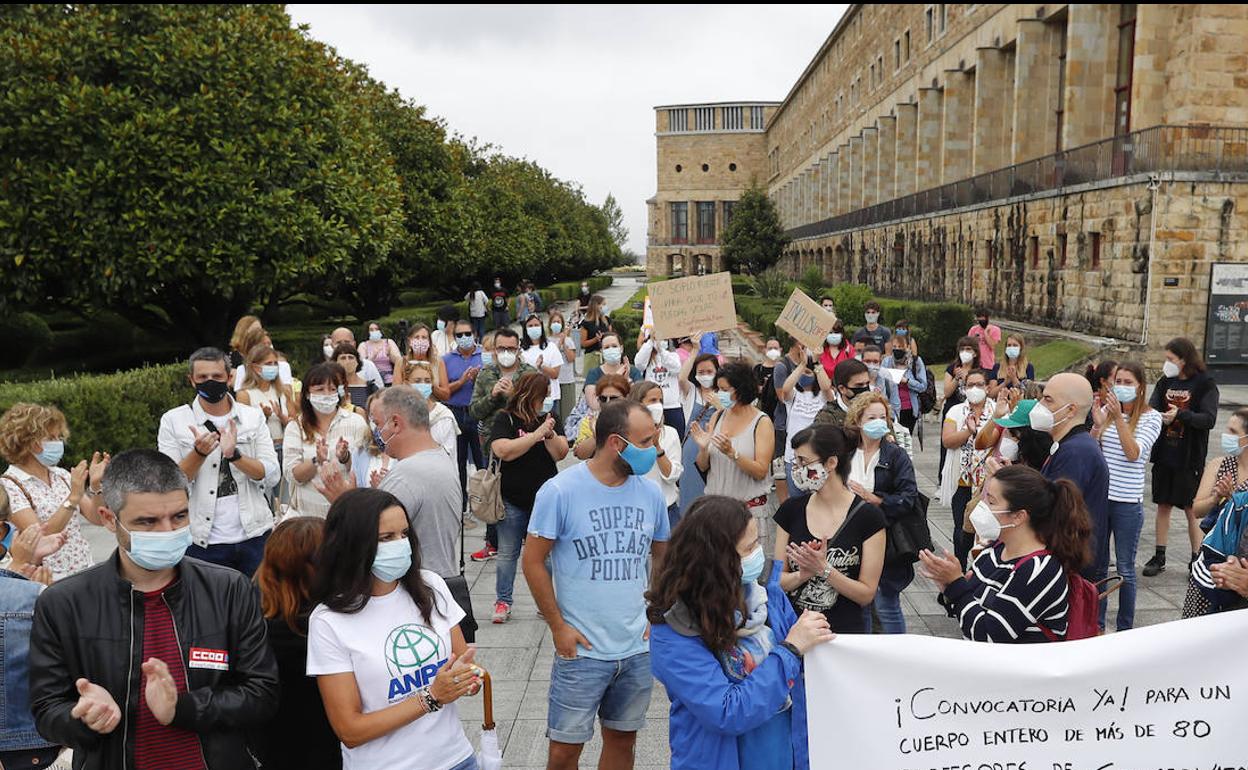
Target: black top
column 767, row 399
column 498, row 300
column 1184, row 443
column 844, row 554
column 879, row 337
column 236, row 359
column 360, row 394
column 995, row 374
column 299, row 737
column 582, row 301
column 595, row 329
column 526, row 474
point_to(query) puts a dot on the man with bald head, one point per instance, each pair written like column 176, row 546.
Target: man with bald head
column 368, row 370
column 1077, row 456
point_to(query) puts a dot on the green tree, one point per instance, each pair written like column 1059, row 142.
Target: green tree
column 181, row 163
column 753, row 240
column 615, row 221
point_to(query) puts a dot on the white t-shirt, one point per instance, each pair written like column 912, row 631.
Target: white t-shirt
column 567, row 369
column 476, row 304
column 802, row 407
column 544, row 357
column 392, row 652
column 662, row 367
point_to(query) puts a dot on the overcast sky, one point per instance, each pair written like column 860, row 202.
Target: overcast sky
column 573, row 87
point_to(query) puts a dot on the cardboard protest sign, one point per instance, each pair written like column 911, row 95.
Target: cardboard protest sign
column 1165, row 696
column 806, row 320
column 686, row 306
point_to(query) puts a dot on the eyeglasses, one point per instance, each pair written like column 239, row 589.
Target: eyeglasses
column 506, row 350
column 609, row 399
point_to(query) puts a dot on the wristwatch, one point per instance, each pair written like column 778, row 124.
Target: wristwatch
column 238, row 455
column 792, row 648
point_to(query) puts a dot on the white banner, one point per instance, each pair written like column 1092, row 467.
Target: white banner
column 1163, row 697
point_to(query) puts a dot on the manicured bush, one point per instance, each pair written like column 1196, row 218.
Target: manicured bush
column 23, row 335
column 850, row 300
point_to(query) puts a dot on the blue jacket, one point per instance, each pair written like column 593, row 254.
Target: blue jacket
column 17, row 608
column 895, row 483
column 709, row 711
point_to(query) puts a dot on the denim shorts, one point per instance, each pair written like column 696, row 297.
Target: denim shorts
column 618, row 691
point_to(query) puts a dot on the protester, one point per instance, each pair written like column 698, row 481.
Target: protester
column 954, row 387
column 881, row 473
column 244, row 332
column 612, row 387
column 987, row 337
column 375, row 602
column 1218, row 579
column 226, row 451
column 441, row 337
column 805, row 392
column 1018, row 589
column 383, row 352
column 32, row 441
column 1013, row 439
column 529, row 441
column 583, row 298
column 477, row 305
column 490, row 549
column 443, row 425
column 836, row 348
column 1077, row 456
column 368, row 463
column 734, row 677
column 789, row 360
column 659, row 364
column 830, row 540
column 964, row 471
column 462, row 367
column 358, row 388
column 367, row 369
column 903, row 338
column 1187, row 398
column 541, row 353
column 850, row 380
column 912, row 377
column 881, row 383
column 299, row 737
column 667, row 468
column 561, row 338
column 524, row 302
column 735, row 450
column 327, row 347
column 1016, row 371
column 613, row 362
column 421, row 350
column 872, row 333
column 498, row 305
column 495, row 382
column 323, row 435
column 594, row 324
column 769, row 403
column 262, row 389
column 595, row 607
column 1126, row 427
column 156, row 697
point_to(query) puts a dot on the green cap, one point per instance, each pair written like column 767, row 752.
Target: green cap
column 1020, row 417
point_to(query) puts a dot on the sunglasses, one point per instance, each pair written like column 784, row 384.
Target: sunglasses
column 609, row 399
column 467, row 336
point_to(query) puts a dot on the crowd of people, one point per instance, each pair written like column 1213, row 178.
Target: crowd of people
column 288, row 584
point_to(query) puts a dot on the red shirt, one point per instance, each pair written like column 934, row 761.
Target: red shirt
column 157, row 746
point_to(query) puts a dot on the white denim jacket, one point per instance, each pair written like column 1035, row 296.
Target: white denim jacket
column 176, row 440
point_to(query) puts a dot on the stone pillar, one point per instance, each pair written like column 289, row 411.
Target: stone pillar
column 887, row 159
column 1091, row 50
column 844, row 173
column 834, row 183
column 930, row 117
column 907, row 142
column 955, row 157
column 1035, row 79
column 855, row 173
column 993, row 84
column 870, row 165
column 1154, row 31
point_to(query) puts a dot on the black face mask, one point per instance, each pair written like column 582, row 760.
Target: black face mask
column 899, row 356
column 855, row 392
column 212, row 391
column 983, row 323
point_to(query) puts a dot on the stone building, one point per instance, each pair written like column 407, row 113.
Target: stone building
column 1077, row 166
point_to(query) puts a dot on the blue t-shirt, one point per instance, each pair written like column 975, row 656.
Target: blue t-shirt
column 601, row 556
column 456, row 365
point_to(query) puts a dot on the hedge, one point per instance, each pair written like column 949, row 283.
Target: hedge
column 107, row 412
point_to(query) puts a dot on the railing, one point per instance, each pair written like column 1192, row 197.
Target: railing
column 1162, row 149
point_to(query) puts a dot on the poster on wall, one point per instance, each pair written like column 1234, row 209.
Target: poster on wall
column 1226, row 330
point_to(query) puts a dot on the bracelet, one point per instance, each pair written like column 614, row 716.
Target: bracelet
column 792, row 648
column 431, row 703
column 95, row 492
column 827, row 573
column 201, row 454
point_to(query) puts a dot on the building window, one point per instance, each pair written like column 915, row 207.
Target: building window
column 1035, row 252
column 1061, row 82
column 677, row 120
column 897, row 54
column 988, row 254
column 905, row 45
column 733, row 120
column 756, row 118
column 879, row 69
column 728, row 207
column 704, row 118
column 1126, row 60
column 929, row 18
column 943, row 13
column 706, row 221
column 680, row 222
column 1096, row 250
column 1061, row 250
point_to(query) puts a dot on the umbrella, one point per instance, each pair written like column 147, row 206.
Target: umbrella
column 489, row 757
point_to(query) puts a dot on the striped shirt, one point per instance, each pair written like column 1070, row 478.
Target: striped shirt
column 157, row 746
column 1004, row 604
column 1126, row 477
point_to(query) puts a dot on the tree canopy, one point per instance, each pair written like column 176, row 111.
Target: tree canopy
column 754, row 240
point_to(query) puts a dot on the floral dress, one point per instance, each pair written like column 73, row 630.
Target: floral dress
column 25, row 491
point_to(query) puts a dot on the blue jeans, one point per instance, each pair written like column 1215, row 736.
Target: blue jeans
column 478, row 326
column 511, row 533
column 468, row 764
column 675, row 417
column 1125, row 522
column 788, row 481
column 616, row 690
column 244, row 556
column 469, row 445
column 893, row 580
column 673, row 514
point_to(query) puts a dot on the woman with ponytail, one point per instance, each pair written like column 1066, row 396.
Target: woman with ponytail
column 1018, row 590
column 830, row 539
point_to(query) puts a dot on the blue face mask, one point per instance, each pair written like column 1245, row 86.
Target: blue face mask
column 725, row 399
column 752, row 565
column 51, row 453
column 375, row 335
column 158, row 550
column 902, row 332
column 1230, row 444
column 534, row 332
column 268, row 372
column 612, row 355
column 1124, row 393
column 806, row 381
column 425, row 389
column 548, row 403
column 556, row 327
column 7, row 542
column 465, row 342
column 378, row 440
column 487, row 358
column 393, row 560
column 876, row 429
column 639, row 460
column 441, row 325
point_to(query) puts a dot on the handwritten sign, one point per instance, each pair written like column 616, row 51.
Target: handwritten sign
column 686, row 306
column 806, row 320
column 1167, row 696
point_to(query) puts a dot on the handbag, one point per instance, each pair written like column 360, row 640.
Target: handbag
column 485, row 493
column 908, row 535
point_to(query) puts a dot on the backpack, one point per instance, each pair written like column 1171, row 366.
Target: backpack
column 1084, row 600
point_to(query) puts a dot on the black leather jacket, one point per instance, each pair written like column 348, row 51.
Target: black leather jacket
column 91, row 625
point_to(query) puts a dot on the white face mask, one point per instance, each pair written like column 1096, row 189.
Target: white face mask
column 976, row 395
column 507, row 359
column 774, row 354
column 1008, row 448
column 328, row 350
column 706, row 380
column 1170, row 369
column 872, row 317
column 656, row 411
column 324, row 404
column 810, row 478
column 1041, row 418
column 966, row 356
column 984, row 519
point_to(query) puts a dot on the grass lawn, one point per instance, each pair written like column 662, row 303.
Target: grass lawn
column 1057, row 356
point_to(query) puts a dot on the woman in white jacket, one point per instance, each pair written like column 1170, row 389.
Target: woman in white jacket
column 667, row 469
